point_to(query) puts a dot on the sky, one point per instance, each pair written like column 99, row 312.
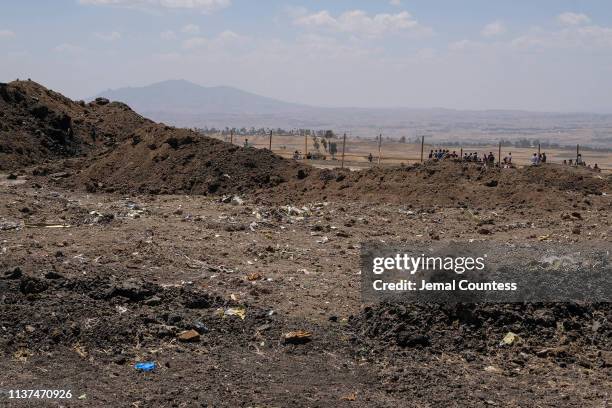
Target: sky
column 545, row 55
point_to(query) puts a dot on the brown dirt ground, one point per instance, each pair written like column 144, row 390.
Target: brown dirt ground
column 97, row 273
column 130, row 273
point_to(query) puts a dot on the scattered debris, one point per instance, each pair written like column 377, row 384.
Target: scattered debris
column 189, row 336
column 510, row 339
column 297, row 337
column 236, row 311
column 145, row 366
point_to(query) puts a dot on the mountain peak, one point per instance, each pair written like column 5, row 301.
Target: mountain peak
column 182, row 96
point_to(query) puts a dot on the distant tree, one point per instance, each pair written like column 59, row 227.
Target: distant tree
column 329, row 134
column 333, row 149
column 402, row 139
column 315, row 143
column 324, row 144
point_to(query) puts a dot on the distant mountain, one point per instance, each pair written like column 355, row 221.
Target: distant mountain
column 185, row 104
column 186, row 98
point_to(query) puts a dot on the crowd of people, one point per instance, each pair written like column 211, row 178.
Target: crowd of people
column 580, row 162
column 473, row 157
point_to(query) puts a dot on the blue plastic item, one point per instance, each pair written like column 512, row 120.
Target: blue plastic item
column 145, row 366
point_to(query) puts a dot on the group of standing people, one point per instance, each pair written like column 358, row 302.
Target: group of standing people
column 538, row 158
column 582, row 163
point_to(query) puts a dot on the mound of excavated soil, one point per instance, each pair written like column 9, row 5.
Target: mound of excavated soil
column 480, row 327
column 447, row 184
column 164, row 160
column 37, row 124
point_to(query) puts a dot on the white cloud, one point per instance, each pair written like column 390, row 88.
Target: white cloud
column 571, row 19
column 493, row 29
column 396, row 3
column 205, row 6
column 358, row 22
column 576, row 37
column 7, row 34
column 112, row 36
column 191, row 29
column 223, row 39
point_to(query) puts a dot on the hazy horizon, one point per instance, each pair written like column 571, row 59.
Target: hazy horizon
column 553, row 56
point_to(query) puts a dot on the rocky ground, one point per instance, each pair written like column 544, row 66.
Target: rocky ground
column 95, row 282
column 237, row 272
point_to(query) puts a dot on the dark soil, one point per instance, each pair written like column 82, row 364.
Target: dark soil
column 115, row 241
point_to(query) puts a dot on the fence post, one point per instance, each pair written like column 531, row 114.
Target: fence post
column 539, row 150
column 231, row 136
column 577, row 152
column 461, row 154
column 422, row 145
column 270, row 140
column 379, row 143
column 343, row 147
column 499, row 155
column 305, row 145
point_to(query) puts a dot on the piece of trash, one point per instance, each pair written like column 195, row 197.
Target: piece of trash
column 350, row 397
column 83, row 396
column 236, row 311
column 492, row 369
column 43, row 225
column 145, row 366
column 254, row 276
column 510, row 339
column 237, row 200
column 544, row 237
column 298, row 337
column 189, row 336
column 201, row 327
column 322, row 240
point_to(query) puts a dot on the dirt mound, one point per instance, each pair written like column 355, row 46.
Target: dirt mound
column 162, row 160
column 482, row 327
column 447, row 184
column 37, row 124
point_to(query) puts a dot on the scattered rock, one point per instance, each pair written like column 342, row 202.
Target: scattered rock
column 297, row 337
column 14, row 273
column 189, row 336
column 32, row 285
column 407, row 339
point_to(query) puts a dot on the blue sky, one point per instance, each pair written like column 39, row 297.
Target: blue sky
column 547, row 55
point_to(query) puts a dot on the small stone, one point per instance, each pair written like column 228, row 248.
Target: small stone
column 153, row 301
column 484, row 231
column 189, row 336
column 14, row 273
column 53, row 275
column 406, row 339
column 576, row 230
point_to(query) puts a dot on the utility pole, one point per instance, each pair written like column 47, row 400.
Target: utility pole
column 422, row 145
column 343, row 148
column 499, row 155
column 270, row 140
column 379, row 143
column 232, row 136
